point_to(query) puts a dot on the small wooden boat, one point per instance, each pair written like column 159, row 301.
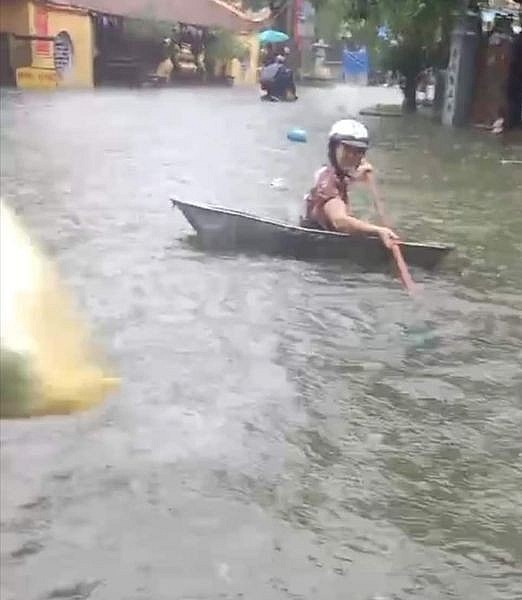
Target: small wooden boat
column 226, row 229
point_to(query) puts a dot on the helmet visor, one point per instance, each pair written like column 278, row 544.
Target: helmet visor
column 354, row 143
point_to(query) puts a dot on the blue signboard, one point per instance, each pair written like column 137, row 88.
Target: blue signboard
column 355, row 62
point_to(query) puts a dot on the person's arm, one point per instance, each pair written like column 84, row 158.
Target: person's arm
column 335, row 211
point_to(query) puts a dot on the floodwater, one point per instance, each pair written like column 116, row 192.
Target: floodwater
column 285, row 430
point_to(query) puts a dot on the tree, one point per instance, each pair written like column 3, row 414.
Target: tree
column 419, row 38
column 418, row 34
column 329, row 17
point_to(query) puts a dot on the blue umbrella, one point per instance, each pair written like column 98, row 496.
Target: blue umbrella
column 271, row 36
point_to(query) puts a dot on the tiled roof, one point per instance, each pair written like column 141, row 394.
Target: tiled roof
column 204, row 13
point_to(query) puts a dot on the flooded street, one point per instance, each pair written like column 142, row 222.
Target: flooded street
column 284, row 430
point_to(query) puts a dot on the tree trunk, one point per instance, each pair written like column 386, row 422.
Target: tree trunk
column 410, row 94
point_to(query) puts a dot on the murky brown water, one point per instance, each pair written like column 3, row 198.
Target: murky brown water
column 285, row 430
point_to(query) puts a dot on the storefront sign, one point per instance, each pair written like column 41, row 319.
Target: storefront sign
column 34, row 78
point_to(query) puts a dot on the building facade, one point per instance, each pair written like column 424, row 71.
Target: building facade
column 52, row 43
column 46, row 44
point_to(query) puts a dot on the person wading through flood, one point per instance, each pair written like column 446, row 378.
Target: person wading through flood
column 328, row 202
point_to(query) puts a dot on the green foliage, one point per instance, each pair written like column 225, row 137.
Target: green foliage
column 419, row 31
column 225, row 46
column 145, row 29
column 329, row 18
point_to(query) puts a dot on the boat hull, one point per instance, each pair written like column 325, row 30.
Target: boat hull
column 224, row 229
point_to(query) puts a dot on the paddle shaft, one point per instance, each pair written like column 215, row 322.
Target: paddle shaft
column 404, row 272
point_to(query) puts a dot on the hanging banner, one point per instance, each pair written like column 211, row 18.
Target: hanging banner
column 41, row 26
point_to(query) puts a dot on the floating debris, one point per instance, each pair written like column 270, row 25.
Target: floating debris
column 297, row 135
column 279, row 184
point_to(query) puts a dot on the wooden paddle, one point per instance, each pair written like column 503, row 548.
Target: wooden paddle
column 404, row 272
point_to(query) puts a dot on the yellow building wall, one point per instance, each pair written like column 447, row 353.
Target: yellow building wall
column 14, row 17
column 79, row 26
column 246, row 72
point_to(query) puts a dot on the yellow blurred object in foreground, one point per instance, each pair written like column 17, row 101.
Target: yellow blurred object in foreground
column 47, row 365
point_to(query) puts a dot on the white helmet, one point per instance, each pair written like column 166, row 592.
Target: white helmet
column 351, row 133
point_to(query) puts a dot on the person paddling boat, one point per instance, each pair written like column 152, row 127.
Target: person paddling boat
column 328, row 202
